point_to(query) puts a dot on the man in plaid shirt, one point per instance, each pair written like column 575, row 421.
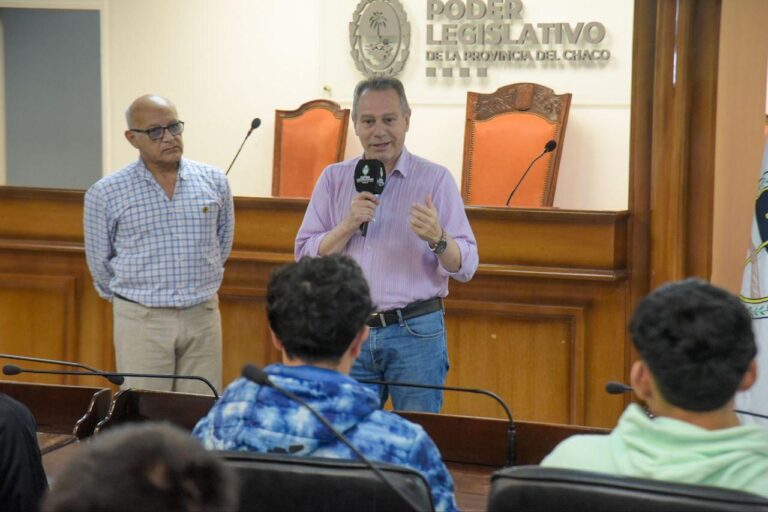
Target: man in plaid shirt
column 157, row 234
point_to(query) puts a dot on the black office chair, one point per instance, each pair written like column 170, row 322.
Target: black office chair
column 288, row 482
column 534, row 488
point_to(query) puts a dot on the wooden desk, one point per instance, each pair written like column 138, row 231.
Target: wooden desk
column 65, row 410
column 135, row 405
column 472, row 448
column 64, row 415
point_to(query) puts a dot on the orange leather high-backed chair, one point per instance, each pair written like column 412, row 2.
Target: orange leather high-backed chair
column 306, row 141
column 504, row 132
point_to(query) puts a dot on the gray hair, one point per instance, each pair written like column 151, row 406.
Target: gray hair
column 380, row 84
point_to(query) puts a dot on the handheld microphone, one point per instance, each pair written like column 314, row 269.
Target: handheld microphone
column 511, row 433
column 114, row 379
column 259, row 376
column 548, row 148
column 254, row 124
column 370, row 176
column 12, row 369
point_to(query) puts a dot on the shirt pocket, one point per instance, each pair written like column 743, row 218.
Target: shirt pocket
column 200, row 217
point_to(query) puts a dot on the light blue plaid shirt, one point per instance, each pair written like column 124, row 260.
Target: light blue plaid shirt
column 157, row 251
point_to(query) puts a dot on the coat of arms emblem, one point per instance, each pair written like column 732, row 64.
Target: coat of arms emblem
column 379, row 36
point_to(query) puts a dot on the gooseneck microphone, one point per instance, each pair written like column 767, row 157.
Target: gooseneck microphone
column 12, row 369
column 114, row 379
column 511, row 433
column 370, row 176
column 254, row 124
column 548, row 148
column 749, row 413
column 256, row 375
column 617, row 388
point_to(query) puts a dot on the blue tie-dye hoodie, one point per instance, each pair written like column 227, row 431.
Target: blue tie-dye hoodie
column 255, row 418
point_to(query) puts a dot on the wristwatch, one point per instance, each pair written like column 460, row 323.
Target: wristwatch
column 440, row 246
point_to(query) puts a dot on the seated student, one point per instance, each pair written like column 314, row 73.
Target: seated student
column 317, row 310
column 148, row 466
column 697, row 350
column 22, row 478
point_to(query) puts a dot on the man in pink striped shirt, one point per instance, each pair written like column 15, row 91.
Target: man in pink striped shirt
column 418, row 236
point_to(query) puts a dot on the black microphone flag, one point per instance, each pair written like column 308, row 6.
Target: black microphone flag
column 370, row 176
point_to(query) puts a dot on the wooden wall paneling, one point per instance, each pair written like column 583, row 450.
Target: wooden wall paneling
column 245, row 330
column 574, row 243
column 703, row 57
column 92, row 336
column 38, row 318
column 96, row 347
column 640, row 152
column 556, row 275
column 670, row 144
column 674, row 77
column 532, row 355
column 266, row 227
column 33, row 214
column 683, row 143
column 603, row 307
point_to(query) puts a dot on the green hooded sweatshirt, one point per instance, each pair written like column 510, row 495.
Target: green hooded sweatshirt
column 671, row 450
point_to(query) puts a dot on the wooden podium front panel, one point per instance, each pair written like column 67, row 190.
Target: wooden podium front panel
column 542, row 323
column 37, row 318
column 531, row 362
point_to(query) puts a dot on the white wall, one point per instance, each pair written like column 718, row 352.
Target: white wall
column 223, row 63
column 594, row 170
column 226, row 61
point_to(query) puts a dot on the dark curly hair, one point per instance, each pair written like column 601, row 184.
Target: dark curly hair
column 697, row 341
column 147, row 466
column 317, row 306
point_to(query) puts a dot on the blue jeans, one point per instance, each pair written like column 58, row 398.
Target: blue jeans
column 413, row 350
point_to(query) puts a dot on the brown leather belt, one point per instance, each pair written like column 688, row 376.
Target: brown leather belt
column 412, row 310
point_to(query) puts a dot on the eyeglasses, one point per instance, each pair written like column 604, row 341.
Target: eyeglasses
column 157, row 132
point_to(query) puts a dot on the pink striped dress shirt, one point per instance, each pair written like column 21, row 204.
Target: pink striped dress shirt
column 399, row 266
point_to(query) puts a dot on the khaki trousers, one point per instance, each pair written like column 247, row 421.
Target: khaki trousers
column 166, row 340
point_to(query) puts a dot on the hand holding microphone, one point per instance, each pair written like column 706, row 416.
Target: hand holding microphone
column 363, row 209
column 370, row 177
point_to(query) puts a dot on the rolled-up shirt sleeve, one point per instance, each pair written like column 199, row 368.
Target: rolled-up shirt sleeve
column 225, row 228
column 99, row 249
column 317, row 219
column 453, row 218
